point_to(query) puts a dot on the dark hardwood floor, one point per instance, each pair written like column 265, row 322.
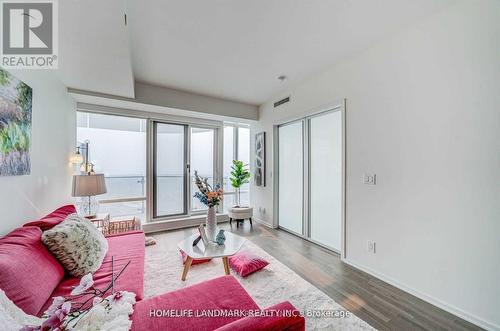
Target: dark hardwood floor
column 381, row 305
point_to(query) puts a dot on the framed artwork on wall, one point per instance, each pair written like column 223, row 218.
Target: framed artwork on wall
column 15, row 125
column 260, row 159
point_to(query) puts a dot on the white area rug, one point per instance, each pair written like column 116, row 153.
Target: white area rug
column 272, row 285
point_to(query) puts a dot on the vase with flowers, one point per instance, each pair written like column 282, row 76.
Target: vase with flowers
column 210, row 197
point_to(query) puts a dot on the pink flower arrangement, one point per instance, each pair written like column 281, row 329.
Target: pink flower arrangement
column 208, row 195
column 85, row 283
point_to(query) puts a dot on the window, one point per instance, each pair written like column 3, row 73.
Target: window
column 202, row 161
column 229, row 156
column 244, row 155
column 118, row 150
column 118, row 146
column 236, row 147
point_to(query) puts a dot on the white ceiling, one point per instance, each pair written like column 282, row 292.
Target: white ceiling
column 232, row 49
column 94, row 52
column 236, row 49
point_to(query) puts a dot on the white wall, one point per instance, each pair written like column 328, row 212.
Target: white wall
column 24, row 198
column 423, row 113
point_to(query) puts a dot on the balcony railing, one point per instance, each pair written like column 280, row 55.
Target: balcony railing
column 126, row 194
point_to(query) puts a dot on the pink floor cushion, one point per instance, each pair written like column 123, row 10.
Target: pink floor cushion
column 246, row 263
column 28, row 272
column 195, row 261
column 54, row 218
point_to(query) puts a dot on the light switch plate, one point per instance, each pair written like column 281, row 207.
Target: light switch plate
column 370, row 246
column 369, row 179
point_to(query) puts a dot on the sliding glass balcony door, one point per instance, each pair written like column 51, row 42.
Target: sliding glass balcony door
column 179, row 150
column 170, row 170
column 310, row 178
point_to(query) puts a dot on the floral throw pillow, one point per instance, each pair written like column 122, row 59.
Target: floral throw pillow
column 77, row 244
column 246, row 263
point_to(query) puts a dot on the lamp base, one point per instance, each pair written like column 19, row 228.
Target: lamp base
column 87, row 206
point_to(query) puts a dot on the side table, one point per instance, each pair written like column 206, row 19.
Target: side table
column 239, row 214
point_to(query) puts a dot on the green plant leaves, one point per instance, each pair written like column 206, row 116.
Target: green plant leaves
column 240, row 174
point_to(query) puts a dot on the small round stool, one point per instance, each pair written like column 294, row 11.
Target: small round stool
column 239, row 214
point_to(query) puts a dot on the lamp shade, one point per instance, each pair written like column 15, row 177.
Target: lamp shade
column 88, row 185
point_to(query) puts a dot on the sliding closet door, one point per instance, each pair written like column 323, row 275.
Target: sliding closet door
column 310, row 175
column 290, row 202
column 325, row 179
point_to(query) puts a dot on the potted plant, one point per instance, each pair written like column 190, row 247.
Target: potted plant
column 240, row 175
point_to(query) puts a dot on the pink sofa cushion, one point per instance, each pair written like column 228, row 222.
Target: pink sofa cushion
column 246, row 263
column 128, row 246
column 223, row 293
column 54, row 218
column 287, row 318
column 195, row 261
column 28, row 272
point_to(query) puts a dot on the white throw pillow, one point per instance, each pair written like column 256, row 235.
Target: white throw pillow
column 13, row 317
column 77, row 244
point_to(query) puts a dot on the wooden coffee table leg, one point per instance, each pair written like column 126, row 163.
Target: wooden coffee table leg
column 187, row 265
column 226, row 265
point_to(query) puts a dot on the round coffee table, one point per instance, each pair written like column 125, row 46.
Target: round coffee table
column 231, row 246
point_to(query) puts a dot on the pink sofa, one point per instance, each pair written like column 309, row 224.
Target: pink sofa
column 31, row 277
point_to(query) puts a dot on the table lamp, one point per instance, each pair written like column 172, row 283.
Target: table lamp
column 87, row 187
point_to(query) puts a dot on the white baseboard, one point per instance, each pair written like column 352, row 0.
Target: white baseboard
column 428, row 298
column 258, row 220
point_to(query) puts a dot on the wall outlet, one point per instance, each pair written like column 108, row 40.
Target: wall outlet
column 371, row 246
column 262, row 210
column 369, row 179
